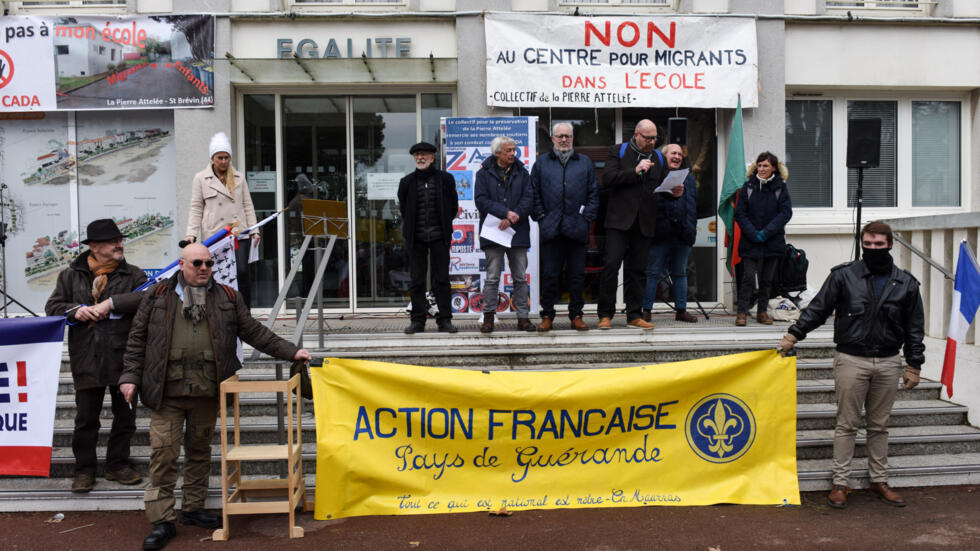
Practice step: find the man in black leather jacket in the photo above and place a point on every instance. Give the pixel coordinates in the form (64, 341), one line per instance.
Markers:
(877, 311)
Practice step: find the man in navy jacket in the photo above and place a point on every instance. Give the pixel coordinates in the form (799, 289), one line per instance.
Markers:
(566, 202)
(503, 189)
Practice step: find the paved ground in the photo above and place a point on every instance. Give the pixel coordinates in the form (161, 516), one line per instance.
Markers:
(946, 518)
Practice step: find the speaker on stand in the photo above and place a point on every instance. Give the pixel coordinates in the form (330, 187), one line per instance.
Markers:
(863, 151)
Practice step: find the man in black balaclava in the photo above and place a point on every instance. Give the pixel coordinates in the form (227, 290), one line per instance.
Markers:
(428, 203)
(877, 311)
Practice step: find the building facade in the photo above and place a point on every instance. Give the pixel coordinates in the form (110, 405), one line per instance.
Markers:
(323, 100)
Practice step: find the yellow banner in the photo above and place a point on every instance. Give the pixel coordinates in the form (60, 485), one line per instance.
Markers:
(399, 439)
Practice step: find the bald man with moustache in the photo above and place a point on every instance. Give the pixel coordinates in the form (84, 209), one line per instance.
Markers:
(183, 343)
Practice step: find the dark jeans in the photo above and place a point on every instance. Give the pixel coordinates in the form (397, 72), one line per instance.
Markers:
(431, 257)
(630, 249)
(241, 259)
(88, 406)
(765, 268)
(557, 254)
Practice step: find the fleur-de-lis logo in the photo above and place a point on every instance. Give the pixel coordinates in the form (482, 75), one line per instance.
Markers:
(720, 428)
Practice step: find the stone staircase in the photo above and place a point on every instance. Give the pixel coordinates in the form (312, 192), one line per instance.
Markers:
(930, 443)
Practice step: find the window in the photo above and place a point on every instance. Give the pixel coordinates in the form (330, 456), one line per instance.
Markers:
(922, 148)
(880, 184)
(62, 49)
(935, 153)
(809, 152)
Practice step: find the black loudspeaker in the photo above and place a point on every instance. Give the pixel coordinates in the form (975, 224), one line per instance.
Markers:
(863, 143)
(677, 130)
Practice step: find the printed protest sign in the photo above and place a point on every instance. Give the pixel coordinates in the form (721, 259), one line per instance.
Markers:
(634, 61)
(396, 439)
(89, 62)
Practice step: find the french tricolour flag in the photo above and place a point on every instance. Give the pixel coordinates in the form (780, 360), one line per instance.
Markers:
(30, 359)
(966, 300)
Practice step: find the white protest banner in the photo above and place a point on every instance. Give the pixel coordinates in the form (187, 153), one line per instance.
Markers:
(565, 61)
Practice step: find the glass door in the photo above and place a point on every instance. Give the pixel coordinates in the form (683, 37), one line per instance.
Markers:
(314, 138)
(385, 127)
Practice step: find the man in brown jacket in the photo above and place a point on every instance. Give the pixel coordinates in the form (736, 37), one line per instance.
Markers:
(96, 294)
(182, 345)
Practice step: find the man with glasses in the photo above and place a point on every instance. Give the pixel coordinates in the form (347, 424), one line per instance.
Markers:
(95, 293)
(566, 202)
(633, 170)
(183, 343)
(428, 202)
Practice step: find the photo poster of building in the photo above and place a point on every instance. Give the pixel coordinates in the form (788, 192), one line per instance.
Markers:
(119, 166)
(91, 62)
(126, 170)
(466, 143)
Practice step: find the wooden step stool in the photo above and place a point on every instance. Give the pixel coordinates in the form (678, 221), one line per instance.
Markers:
(292, 488)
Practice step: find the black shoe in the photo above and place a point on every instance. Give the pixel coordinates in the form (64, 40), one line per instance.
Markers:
(161, 534)
(446, 326)
(415, 327)
(202, 518)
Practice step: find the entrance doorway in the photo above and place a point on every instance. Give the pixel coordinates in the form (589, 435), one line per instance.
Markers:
(349, 148)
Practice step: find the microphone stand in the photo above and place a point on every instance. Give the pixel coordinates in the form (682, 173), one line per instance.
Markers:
(7, 299)
(857, 225)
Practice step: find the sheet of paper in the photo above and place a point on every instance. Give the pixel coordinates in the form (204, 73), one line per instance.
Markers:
(674, 178)
(253, 251)
(491, 231)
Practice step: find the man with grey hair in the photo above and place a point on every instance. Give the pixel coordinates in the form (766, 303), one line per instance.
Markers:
(566, 202)
(503, 189)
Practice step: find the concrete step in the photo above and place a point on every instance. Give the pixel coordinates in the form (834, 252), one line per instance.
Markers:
(903, 471)
(815, 391)
(915, 440)
(54, 494)
(904, 414)
(262, 370)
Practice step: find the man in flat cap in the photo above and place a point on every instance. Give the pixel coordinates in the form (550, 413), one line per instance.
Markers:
(428, 203)
(96, 294)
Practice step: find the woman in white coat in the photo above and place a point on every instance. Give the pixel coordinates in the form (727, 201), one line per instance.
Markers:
(220, 198)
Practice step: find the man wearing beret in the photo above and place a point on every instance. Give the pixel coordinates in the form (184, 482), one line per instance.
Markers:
(428, 203)
(96, 294)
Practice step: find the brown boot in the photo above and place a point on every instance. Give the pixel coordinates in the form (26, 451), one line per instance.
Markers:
(837, 498)
(545, 325)
(487, 326)
(524, 324)
(763, 318)
(579, 324)
(740, 319)
(682, 315)
(887, 495)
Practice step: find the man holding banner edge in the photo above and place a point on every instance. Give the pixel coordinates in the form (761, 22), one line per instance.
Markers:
(877, 311)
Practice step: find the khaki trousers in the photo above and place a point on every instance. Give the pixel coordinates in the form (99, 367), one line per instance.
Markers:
(167, 430)
(869, 384)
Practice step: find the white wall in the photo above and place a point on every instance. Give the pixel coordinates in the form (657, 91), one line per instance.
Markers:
(966, 383)
(861, 55)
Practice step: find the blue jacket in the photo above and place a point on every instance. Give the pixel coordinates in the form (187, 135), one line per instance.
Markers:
(677, 217)
(493, 196)
(763, 207)
(566, 198)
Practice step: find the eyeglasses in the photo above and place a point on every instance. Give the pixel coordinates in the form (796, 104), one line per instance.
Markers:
(649, 138)
(197, 263)
(563, 136)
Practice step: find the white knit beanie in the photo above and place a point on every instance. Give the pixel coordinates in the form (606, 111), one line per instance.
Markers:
(220, 142)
